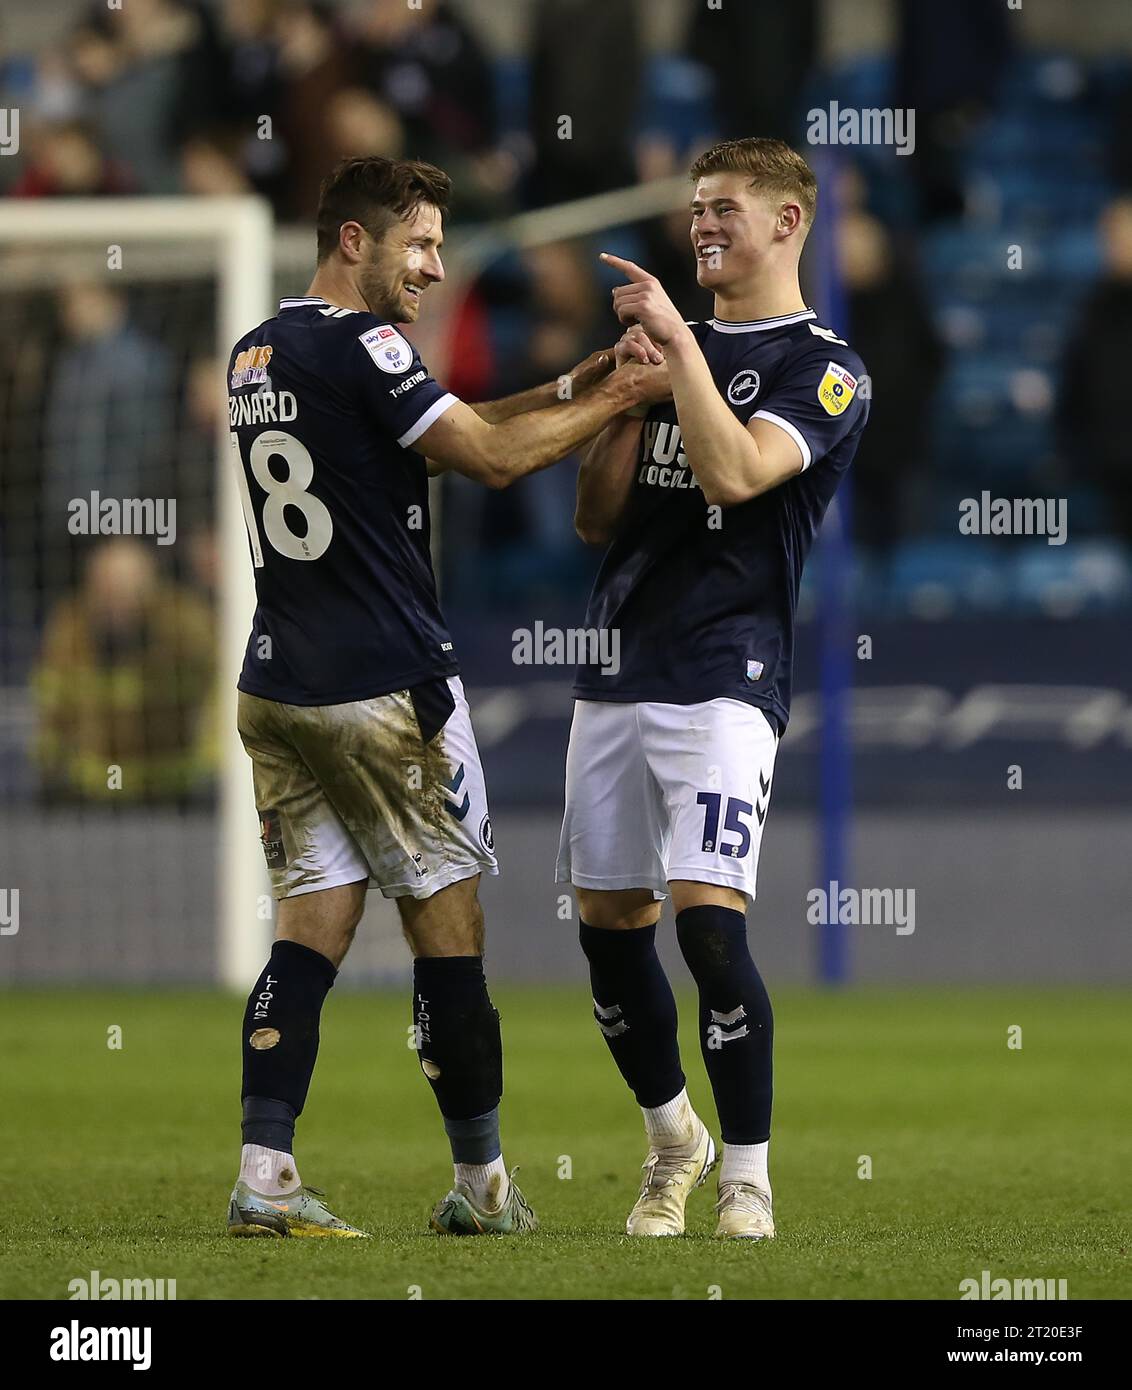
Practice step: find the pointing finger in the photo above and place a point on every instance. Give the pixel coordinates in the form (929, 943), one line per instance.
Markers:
(629, 269)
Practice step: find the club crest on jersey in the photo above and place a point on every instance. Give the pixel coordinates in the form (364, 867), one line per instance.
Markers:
(836, 389)
(388, 349)
(755, 670)
(744, 387)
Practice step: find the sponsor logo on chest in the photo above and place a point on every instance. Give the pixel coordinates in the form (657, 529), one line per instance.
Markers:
(663, 463)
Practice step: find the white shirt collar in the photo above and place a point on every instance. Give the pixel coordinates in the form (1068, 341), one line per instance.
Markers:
(761, 325)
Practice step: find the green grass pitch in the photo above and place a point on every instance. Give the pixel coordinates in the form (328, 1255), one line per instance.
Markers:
(983, 1157)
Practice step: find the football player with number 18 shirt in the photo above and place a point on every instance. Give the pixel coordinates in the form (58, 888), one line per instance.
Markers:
(351, 708)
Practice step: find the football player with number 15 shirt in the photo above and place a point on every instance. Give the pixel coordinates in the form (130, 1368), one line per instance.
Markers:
(709, 504)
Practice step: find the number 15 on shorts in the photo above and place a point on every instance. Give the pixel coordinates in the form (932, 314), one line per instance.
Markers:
(735, 816)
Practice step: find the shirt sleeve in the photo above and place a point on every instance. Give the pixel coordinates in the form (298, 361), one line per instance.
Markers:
(396, 385)
(817, 399)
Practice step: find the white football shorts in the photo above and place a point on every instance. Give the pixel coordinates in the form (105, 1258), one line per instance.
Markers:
(657, 792)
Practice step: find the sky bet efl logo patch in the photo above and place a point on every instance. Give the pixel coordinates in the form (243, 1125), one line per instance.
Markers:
(387, 348)
(836, 389)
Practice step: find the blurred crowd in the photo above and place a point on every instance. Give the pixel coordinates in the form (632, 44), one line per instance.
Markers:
(117, 389)
(187, 96)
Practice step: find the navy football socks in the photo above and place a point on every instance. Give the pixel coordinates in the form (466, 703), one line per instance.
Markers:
(635, 1010)
(736, 1021)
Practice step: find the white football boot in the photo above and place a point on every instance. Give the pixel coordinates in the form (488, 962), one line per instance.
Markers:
(671, 1173)
(744, 1213)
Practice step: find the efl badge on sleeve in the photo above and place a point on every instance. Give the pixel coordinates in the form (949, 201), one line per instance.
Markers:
(387, 348)
(836, 389)
(755, 670)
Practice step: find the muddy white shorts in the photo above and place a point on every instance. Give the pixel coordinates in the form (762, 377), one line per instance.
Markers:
(657, 792)
(390, 789)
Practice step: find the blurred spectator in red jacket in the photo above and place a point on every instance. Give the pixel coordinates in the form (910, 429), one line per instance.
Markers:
(64, 161)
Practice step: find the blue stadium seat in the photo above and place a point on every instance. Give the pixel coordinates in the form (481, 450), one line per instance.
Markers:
(861, 82)
(1023, 197)
(935, 578)
(512, 92)
(1037, 81)
(1037, 173)
(992, 414)
(865, 583)
(1079, 576)
(1050, 136)
(679, 101)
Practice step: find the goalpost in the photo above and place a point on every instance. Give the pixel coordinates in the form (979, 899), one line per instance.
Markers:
(229, 239)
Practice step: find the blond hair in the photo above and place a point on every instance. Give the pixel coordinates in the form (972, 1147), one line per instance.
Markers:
(770, 166)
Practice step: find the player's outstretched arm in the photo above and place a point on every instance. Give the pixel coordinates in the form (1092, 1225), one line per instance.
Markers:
(498, 455)
(596, 367)
(732, 462)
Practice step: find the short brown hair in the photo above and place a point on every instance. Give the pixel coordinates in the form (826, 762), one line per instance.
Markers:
(771, 166)
(374, 191)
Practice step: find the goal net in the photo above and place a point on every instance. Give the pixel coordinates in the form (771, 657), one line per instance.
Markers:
(127, 827)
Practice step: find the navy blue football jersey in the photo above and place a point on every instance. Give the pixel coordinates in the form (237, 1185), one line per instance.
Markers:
(704, 600)
(324, 404)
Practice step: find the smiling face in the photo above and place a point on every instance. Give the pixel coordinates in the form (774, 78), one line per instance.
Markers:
(733, 229)
(399, 267)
